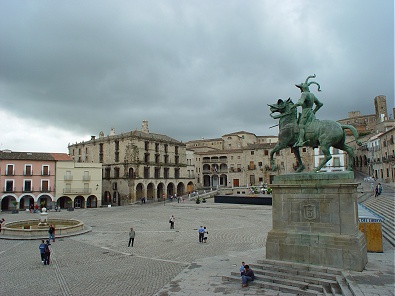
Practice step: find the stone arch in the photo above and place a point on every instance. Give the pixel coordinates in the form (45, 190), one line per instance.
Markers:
(160, 191)
(26, 200)
(91, 201)
(139, 191)
(190, 187)
(180, 189)
(206, 181)
(150, 191)
(79, 202)
(106, 198)
(63, 202)
(170, 189)
(7, 200)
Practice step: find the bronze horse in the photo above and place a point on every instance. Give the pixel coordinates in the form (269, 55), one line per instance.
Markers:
(319, 133)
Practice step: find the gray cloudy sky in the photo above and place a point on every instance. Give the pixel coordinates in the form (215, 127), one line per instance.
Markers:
(193, 69)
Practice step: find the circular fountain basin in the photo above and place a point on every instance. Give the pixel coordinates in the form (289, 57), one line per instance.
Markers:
(30, 229)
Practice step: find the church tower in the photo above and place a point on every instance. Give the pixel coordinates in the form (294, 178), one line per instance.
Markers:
(380, 106)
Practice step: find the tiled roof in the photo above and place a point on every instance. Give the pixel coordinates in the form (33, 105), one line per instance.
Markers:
(11, 155)
(61, 156)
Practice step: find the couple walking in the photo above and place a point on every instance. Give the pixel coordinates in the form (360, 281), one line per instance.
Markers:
(45, 251)
(202, 234)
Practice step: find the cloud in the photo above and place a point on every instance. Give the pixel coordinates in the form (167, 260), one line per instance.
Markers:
(192, 69)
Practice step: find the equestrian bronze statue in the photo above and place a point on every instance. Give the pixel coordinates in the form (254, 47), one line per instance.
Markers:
(306, 130)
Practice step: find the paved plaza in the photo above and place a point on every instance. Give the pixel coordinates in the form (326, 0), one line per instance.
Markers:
(162, 261)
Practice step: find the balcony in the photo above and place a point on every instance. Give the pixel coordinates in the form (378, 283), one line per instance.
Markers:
(86, 178)
(27, 189)
(8, 189)
(45, 189)
(68, 178)
(77, 190)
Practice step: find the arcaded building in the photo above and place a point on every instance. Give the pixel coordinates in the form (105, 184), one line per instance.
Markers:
(241, 159)
(136, 165)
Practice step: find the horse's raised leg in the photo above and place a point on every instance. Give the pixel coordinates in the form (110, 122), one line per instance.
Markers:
(296, 152)
(276, 148)
(327, 156)
(350, 153)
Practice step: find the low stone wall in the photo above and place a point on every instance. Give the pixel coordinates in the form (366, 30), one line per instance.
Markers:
(27, 228)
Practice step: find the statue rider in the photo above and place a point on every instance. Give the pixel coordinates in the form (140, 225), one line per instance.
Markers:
(307, 101)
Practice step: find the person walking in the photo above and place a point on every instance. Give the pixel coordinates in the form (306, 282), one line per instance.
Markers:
(51, 232)
(205, 234)
(1, 223)
(132, 234)
(171, 221)
(47, 253)
(201, 234)
(41, 247)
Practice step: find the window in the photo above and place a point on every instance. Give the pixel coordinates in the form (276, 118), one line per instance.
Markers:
(68, 176)
(176, 149)
(166, 173)
(27, 186)
(266, 152)
(107, 173)
(10, 170)
(45, 170)
(146, 172)
(45, 186)
(252, 152)
(176, 173)
(146, 145)
(166, 148)
(28, 170)
(176, 159)
(86, 176)
(116, 156)
(116, 172)
(9, 186)
(336, 161)
(157, 173)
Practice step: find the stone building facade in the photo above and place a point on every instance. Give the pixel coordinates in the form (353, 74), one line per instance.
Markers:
(376, 157)
(365, 124)
(241, 159)
(136, 165)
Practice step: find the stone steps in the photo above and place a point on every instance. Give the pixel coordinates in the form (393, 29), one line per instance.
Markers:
(274, 286)
(384, 206)
(296, 278)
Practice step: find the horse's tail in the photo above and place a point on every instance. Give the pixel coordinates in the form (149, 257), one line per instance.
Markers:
(354, 132)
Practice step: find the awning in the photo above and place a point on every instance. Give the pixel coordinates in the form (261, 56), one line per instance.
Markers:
(366, 215)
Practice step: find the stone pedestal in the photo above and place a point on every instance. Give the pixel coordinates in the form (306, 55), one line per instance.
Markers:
(315, 221)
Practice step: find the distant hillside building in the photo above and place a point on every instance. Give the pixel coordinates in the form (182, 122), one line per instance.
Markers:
(376, 157)
(241, 159)
(136, 165)
(365, 124)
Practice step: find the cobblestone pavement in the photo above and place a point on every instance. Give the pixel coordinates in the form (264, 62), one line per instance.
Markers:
(101, 263)
(162, 262)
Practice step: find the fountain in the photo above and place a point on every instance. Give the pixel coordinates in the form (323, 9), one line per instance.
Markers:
(31, 229)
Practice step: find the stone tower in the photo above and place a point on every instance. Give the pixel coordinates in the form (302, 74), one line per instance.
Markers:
(380, 106)
(144, 127)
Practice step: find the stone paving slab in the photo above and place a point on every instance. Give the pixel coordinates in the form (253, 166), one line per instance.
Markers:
(162, 262)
